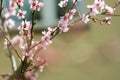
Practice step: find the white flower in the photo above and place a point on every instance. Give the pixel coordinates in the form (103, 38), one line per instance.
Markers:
(72, 13)
(96, 7)
(17, 40)
(36, 5)
(63, 3)
(109, 10)
(63, 23)
(39, 5)
(21, 14)
(85, 18)
(6, 43)
(13, 4)
(33, 4)
(20, 2)
(46, 38)
(9, 23)
(10, 12)
(30, 75)
(29, 55)
(25, 25)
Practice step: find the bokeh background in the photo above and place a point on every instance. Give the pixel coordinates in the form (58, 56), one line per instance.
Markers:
(90, 52)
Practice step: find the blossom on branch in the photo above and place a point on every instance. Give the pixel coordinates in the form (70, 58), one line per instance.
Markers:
(36, 5)
(46, 38)
(29, 55)
(96, 7)
(63, 22)
(21, 14)
(63, 3)
(72, 13)
(25, 29)
(30, 75)
(9, 23)
(109, 10)
(10, 12)
(41, 62)
(12, 4)
(85, 18)
(20, 2)
(17, 40)
(6, 43)
(39, 6)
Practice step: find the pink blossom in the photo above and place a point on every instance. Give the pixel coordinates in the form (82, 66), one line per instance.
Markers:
(33, 4)
(34, 43)
(25, 26)
(30, 75)
(9, 23)
(17, 40)
(36, 5)
(20, 2)
(39, 5)
(85, 18)
(94, 10)
(21, 14)
(29, 55)
(99, 3)
(51, 30)
(42, 63)
(66, 17)
(6, 43)
(24, 47)
(72, 13)
(96, 7)
(63, 23)
(21, 31)
(12, 4)
(109, 10)
(63, 3)
(10, 12)
(45, 39)
(41, 68)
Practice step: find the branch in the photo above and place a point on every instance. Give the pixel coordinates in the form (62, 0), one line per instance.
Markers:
(12, 58)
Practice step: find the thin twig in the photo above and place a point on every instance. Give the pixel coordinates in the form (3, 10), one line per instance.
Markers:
(10, 44)
(78, 10)
(33, 23)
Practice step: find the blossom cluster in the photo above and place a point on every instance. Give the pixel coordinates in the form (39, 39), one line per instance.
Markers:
(36, 5)
(29, 47)
(63, 22)
(46, 38)
(98, 7)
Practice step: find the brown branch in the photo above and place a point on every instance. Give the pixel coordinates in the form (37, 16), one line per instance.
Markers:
(10, 44)
(33, 23)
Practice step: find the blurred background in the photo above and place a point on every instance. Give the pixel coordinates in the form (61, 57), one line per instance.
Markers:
(86, 52)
